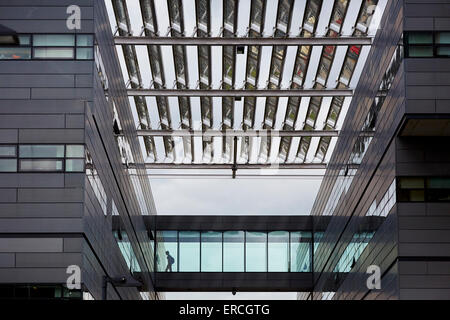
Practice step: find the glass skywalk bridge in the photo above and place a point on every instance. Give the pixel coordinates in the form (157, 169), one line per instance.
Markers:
(238, 253)
(234, 251)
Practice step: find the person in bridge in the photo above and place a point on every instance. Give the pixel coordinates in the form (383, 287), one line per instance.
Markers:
(170, 262)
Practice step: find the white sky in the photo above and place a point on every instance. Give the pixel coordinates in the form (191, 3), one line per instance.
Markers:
(261, 196)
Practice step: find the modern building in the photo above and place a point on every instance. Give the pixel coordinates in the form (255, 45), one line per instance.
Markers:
(98, 95)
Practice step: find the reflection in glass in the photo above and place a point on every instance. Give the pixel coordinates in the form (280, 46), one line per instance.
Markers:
(211, 251)
(85, 40)
(233, 251)
(7, 151)
(85, 53)
(189, 254)
(54, 53)
(41, 151)
(41, 165)
(166, 241)
(255, 251)
(54, 40)
(300, 251)
(74, 165)
(278, 251)
(75, 151)
(8, 165)
(14, 53)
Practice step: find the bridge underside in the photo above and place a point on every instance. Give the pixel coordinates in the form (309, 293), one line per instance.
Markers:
(233, 281)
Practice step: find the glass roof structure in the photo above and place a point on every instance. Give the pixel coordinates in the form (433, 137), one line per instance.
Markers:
(241, 84)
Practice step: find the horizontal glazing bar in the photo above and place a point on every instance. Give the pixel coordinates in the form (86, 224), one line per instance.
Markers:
(242, 93)
(239, 133)
(224, 41)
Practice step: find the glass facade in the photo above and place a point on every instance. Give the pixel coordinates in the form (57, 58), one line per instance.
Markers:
(51, 46)
(423, 189)
(427, 44)
(211, 249)
(233, 251)
(38, 291)
(42, 157)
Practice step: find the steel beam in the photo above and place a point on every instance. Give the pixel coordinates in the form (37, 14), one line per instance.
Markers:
(244, 41)
(238, 133)
(215, 166)
(242, 92)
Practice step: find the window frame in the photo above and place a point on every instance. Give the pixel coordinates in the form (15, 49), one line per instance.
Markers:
(32, 47)
(434, 44)
(425, 189)
(64, 158)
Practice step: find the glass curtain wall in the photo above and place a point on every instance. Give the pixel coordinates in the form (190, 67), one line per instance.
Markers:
(233, 251)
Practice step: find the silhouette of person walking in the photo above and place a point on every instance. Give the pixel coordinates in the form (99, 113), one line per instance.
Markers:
(170, 262)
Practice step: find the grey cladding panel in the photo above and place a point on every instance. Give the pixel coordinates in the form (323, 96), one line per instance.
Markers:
(31, 244)
(51, 136)
(44, 13)
(50, 195)
(36, 81)
(32, 121)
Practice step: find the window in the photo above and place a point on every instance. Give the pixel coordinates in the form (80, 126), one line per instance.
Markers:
(41, 157)
(8, 162)
(427, 44)
(54, 40)
(41, 151)
(51, 46)
(278, 249)
(53, 53)
(255, 251)
(189, 251)
(211, 257)
(420, 189)
(233, 251)
(75, 158)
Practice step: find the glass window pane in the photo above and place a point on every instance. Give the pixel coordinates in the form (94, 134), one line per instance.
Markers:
(75, 165)
(14, 53)
(8, 165)
(75, 151)
(41, 151)
(85, 40)
(422, 51)
(255, 251)
(24, 40)
(443, 51)
(211, 251)
(41, 165)
(300, 251)
(189, 255)
(278, 251)
(438, 183)
(53, 53)
(7, 151)
(412, 183)
(85, 53)
(416, 195)
(233, 251)
(420, 38)
(443, 37)
(436, 195)
(54, 40)
(167, 251)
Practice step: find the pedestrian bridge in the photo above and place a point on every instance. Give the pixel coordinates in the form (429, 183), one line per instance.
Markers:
(239, 253)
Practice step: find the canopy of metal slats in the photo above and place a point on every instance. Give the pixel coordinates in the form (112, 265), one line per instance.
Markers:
(236, 67)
